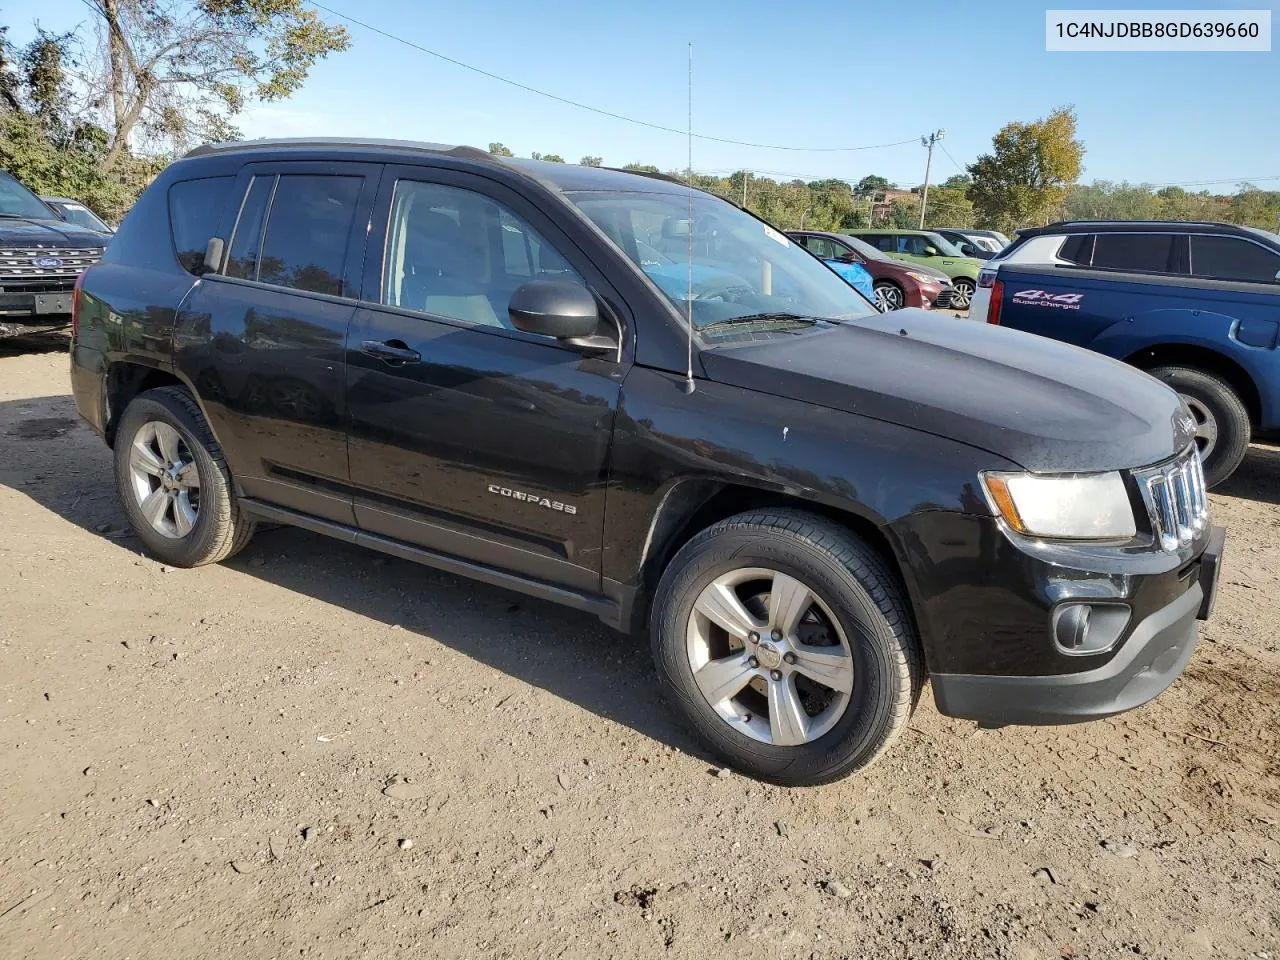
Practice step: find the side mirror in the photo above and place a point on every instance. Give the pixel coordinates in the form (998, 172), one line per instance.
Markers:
(931, 251)
(213, 255)
(563, 309)
(1278, 276)
(847, 257)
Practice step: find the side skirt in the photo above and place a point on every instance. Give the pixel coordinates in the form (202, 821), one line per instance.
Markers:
(614, 612)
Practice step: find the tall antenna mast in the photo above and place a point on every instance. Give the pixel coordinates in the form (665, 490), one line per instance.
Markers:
(688, 179)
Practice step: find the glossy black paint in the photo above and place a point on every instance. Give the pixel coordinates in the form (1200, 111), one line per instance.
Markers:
(576, 473)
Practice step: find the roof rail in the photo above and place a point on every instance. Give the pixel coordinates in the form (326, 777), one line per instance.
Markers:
(302, 143)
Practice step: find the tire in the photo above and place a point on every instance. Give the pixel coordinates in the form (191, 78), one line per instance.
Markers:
(1223, 429)
(889, 296)
(962, 298)
(860, 604)
(213, 528)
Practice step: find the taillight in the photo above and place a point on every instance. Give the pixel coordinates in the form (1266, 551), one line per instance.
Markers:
(986, 277)
(997, 297)
(75, 304)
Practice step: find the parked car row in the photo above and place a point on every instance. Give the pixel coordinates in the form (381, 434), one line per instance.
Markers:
(1196, 305)
(41, 254)
(615, 393)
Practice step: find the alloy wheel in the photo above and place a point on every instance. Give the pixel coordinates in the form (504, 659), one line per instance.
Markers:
(888, 297)
(962, 295)
(1206, 425)
(164, 479)
(769, 656)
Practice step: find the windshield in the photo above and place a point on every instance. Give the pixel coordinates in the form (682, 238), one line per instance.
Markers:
(17, 201)
(866, 250)
(81, 216)
(744, 271)
(945, 246)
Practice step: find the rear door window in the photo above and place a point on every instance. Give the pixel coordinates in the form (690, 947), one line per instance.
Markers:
(195, 208)
(885, 241)
(308, 230)
(294, 231)
(1077, 249)
(1230, 258)
(822, 247)
(1139, 252)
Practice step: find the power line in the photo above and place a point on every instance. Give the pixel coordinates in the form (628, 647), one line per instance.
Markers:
(588, 107)
(952, 159)
(1209, 183)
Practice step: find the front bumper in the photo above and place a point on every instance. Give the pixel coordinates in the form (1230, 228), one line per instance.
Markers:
(29, 312)
(1152, 657)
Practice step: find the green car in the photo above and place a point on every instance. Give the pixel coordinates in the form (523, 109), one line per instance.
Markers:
(931, 250)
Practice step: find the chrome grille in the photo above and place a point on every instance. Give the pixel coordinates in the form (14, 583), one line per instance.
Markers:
(944, 299)
(1175, 498)
(21, 261)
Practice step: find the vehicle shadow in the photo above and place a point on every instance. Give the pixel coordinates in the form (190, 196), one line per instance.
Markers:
(1257, 477)
(54, 341)
(565, 652)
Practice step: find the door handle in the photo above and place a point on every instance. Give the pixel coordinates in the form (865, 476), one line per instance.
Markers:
(392, 351)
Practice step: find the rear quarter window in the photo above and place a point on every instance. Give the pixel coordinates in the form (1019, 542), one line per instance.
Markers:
(1230, 258)
(1139, 252)
(195, 207)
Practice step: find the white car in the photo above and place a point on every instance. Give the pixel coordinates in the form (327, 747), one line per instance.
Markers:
(1041, 249)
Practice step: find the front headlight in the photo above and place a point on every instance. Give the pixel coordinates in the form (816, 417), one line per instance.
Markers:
(1092, 506)
(923, 277)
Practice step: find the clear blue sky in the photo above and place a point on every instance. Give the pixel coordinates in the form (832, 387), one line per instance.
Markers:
(807, 74)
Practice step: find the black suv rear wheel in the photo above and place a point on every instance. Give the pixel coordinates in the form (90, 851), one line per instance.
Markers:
(174, 482)
(786, 642)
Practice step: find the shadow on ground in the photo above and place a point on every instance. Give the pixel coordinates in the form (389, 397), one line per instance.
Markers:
(50, 456)
(1258, 477)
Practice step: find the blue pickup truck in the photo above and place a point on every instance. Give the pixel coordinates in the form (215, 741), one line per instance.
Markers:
(1196, 305)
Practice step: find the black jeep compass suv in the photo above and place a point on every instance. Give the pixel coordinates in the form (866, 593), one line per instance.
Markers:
(638, 400)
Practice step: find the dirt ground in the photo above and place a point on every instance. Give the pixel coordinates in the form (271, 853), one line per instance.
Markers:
(314, 751)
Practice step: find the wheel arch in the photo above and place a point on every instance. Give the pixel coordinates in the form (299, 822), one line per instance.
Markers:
(1208, 360)
(127, 379)
(693, 505)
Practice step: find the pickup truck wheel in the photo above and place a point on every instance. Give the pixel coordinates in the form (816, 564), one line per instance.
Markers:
(786, 642)
(1222, 421)
(888, 296)
(962, 294)
(174, 482)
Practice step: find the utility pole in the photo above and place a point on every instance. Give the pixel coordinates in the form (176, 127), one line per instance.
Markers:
(928, 141)
(746, 175)
(807, 211)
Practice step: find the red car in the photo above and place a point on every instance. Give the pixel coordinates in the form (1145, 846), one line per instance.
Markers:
(896, 284)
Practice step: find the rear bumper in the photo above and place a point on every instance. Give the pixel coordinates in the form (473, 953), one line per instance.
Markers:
(31, 312)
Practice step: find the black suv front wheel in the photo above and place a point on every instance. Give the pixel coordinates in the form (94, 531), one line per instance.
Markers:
(174, 483)
(786, 642)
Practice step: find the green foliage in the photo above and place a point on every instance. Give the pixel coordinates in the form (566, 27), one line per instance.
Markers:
(1103, 200)
(871, 185)
(1024, 180)
(641, 168)
(591, 161)
(500, 150)
(548, 157)
(948, 207)
(904, 214)
(176, 72)
(47, 148)
(958, 181)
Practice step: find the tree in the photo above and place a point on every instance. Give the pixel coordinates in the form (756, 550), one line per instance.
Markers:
(904, 213)
(178, 71)
(591, 161)
(948, 207)
(872, 184)
(958, 181)
(548, 157)
(1024, 180)
(641, 168)
(45, 145)
(500, 150)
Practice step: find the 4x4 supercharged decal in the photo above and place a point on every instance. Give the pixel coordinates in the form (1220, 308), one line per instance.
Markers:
(1042, 298)
(533, 498)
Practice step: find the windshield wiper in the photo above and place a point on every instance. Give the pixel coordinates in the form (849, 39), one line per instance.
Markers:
(760, 318)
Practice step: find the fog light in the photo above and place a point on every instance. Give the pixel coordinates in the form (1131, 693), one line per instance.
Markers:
(1085, 628)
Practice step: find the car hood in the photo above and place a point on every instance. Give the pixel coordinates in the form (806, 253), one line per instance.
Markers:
(47, 233)
(921, 268)
(1044, 405)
